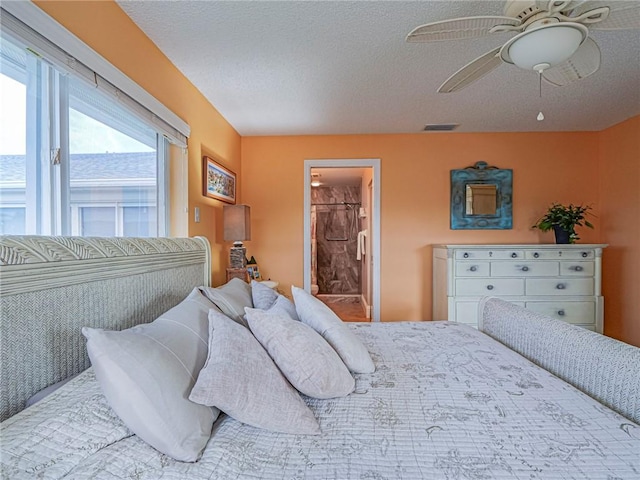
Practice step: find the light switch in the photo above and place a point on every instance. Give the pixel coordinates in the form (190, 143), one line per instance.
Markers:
(197, 214)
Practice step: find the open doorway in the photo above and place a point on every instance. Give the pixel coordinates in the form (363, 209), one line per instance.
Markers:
(342, 235)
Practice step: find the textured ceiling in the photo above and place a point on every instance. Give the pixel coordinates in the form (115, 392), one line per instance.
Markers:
(343, 67)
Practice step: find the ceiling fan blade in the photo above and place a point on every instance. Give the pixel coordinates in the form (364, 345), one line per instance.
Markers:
(472, 71)
(583, 63)
(468, 27)
(622, 14)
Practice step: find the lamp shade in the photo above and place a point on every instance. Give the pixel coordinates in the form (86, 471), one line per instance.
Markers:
(550, 44)
(237, 222)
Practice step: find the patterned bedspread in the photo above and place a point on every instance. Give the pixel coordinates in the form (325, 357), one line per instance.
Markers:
(446, 402)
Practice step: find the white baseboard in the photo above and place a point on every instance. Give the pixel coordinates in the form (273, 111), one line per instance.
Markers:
(365, 306)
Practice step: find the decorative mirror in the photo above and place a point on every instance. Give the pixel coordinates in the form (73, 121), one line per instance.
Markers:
(481, 198)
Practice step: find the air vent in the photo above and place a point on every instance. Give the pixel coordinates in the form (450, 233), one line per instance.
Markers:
(441, 127)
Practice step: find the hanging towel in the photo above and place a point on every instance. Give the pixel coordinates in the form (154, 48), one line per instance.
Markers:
(362, 240)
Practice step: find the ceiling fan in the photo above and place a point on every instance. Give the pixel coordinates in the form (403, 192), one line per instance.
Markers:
(552, 38)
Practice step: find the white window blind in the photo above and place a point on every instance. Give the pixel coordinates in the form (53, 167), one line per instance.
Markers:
(57, 45)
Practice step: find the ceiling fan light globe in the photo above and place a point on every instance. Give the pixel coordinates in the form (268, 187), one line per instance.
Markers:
(551, 44)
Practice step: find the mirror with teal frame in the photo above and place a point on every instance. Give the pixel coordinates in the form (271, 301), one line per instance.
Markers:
(481, 198)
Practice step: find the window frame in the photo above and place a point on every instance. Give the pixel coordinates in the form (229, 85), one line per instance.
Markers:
(30, 26)
(47, 190)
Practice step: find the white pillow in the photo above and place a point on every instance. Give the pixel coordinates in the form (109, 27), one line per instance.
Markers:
(146, 373)
(231, 298)
(263, 296)
(285, 306)
(301, 354)
(266, 298)
(322, 319)
(241, 380)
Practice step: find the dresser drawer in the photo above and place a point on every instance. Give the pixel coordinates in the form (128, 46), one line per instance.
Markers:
(559, 286)
(571, 312)
(472, 269)
(489, 254)
(489, 286)
(577, 269)
(560, 254)
(526, 269)
(577, 254)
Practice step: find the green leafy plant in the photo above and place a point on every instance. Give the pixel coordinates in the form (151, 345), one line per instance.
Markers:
(566, 217)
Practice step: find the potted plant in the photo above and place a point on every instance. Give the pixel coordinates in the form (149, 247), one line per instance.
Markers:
(563, 219)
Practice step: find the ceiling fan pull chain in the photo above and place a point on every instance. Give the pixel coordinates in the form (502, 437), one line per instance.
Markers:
(540, 84)
(540, 116)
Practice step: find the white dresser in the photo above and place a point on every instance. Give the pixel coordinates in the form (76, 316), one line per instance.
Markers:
(562, 281)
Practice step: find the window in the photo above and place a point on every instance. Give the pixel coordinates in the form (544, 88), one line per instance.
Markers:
(97, 222)
(13, 133)
(138, 221)
(12, 220)
(73, 159)
(113, 159)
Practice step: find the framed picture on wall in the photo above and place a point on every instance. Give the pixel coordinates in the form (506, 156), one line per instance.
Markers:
(218, 182)
(254, 272)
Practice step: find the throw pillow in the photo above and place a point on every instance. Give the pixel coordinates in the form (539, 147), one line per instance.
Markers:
(301, 354)
(146, 373)
(286, 306)
(231, 298)
(240, 379)
(322, 319)
(263, 296)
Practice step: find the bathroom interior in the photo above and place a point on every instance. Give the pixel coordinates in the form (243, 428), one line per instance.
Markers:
(339, 240)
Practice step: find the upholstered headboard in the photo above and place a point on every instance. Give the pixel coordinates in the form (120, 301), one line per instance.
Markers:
(50, 287)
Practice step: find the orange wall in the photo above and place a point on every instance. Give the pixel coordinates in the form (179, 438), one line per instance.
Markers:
(414, 198)
(601, 169)
(109, 31)
(619, 163)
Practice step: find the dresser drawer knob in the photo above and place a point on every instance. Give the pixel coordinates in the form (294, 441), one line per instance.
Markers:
(536, 255)
(514, 255)
(473, 268)
(561, 313)
(489, 287)
(525, 269)
(578, 268)
(585, 254)
(561, 286)
(466, 255)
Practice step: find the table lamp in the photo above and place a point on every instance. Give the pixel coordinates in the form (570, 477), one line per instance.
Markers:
(237, 227)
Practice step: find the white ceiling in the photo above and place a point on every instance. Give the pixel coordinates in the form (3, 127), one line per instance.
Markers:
(343, 67)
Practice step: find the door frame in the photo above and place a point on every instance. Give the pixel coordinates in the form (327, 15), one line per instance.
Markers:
(373, 163)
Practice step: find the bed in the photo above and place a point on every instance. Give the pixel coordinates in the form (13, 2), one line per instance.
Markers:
(526, 397)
